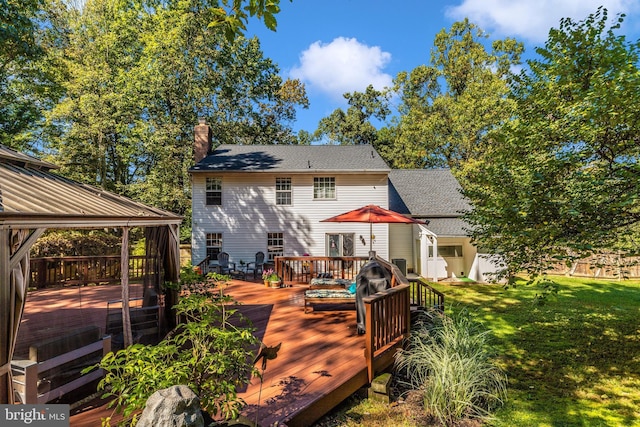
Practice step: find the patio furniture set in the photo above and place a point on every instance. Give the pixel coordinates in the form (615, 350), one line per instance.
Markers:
(222, 265)
(329, 291)
(371, 279)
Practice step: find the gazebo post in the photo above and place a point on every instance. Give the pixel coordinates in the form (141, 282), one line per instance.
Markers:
(14, 281)
(5, 309)
(124, 279)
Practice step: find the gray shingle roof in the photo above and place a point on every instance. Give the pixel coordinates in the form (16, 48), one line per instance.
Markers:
(432, 194)
(425, 193)
(292, 159)
(448, 227)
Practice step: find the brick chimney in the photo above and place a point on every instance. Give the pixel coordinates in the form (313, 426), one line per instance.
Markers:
(202, 140)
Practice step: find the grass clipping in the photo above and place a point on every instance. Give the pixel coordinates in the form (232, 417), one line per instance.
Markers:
(449, 361)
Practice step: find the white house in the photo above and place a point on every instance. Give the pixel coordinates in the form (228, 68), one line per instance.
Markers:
(272, 198)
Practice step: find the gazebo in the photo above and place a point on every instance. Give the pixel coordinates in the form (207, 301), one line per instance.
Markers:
(33, 199)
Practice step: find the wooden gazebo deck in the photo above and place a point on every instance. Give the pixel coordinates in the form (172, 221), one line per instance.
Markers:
(321, 361)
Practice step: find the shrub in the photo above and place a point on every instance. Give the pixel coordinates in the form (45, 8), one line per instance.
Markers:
(449, 361)
(55, 243)
(206, 352)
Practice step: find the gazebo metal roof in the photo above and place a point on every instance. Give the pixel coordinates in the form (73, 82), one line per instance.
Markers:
(32, 196)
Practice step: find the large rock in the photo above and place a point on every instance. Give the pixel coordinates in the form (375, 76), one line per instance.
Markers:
(175, 406)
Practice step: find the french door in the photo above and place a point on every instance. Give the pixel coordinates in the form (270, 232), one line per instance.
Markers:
(340, 244)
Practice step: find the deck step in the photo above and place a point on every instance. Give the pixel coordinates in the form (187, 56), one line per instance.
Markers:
(380, 389)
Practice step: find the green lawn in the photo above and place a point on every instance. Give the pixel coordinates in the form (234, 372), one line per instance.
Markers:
(574, 361)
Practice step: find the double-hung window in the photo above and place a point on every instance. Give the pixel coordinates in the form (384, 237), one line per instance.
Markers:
(283, 191)
(214, 191)
(275, 245)
(214, 245)
(324, 187)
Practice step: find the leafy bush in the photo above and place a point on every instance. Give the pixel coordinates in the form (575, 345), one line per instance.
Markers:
(56, 243)
(205, 352)
(448, 360)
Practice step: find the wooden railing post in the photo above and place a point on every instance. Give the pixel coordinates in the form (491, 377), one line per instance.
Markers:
(369, 336)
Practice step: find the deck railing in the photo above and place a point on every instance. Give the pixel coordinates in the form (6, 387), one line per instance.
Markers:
(204, 265)
(82, 270)
(299, 270)
(425, 296)
(387, 322)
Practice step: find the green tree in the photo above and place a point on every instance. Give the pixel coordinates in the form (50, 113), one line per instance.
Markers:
(190, 71)
(562, 178)
(96, 139)
(137, 75)
(354, 126)
(448, 107)
(26, 86)
(210, 352)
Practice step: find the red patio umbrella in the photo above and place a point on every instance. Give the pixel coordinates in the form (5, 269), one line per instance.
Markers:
(373, 214)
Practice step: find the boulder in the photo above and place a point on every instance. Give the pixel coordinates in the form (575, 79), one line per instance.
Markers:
(176, 406)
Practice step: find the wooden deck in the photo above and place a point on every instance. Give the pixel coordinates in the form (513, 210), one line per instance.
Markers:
(321, 361)
(52, 312)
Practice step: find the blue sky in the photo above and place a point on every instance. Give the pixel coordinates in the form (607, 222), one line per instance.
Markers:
(338, 46)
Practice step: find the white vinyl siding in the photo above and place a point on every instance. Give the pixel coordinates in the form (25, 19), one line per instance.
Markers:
(250, 212)
(402, 244)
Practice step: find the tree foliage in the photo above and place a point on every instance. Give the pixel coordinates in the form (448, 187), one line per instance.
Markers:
(56, 243)
(208, 352)
(26, 84)
(137, 75)
(448, 106)
(354, 126)
(562, 178)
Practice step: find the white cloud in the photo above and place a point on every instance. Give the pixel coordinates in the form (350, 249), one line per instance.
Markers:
(344, 65)
(531, 19)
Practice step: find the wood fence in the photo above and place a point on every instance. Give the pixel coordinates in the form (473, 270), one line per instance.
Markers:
(607, 266)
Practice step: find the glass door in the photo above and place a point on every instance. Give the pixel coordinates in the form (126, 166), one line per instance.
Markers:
(340, 244)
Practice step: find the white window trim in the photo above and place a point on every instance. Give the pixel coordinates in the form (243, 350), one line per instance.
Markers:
(207, 190)
(326, 179)
(280, 191)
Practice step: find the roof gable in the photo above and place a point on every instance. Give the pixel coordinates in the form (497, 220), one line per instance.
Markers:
(292, 159)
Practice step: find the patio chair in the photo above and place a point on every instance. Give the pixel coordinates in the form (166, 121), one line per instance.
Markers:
(256, 266)
(224, 266)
